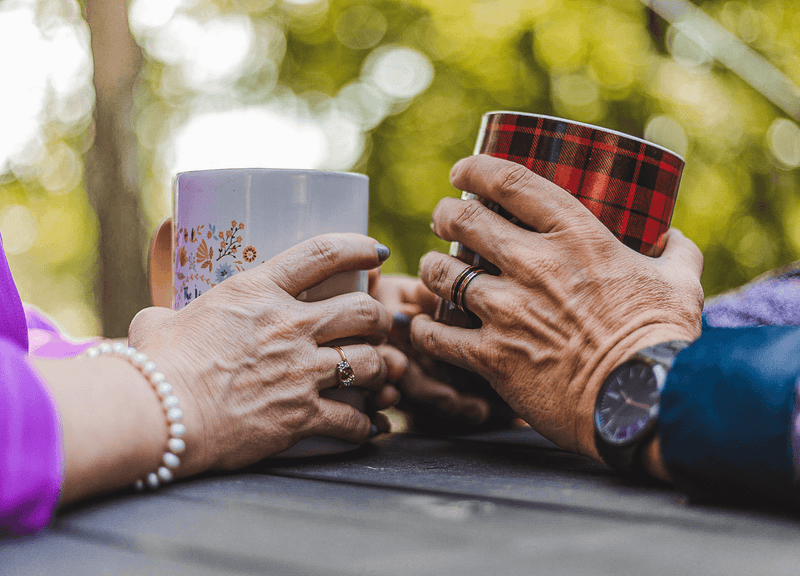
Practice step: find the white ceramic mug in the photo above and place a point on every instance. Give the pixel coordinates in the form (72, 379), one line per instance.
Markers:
(228, 221)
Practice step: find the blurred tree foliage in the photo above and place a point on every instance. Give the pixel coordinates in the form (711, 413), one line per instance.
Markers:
(609, 62)
(606, 62)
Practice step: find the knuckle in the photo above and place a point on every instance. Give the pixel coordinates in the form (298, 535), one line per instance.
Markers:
(367, 309)
(467, 215)
(490, 355)
(512, 180)
(525, 262)
(437, 275)
(322, 250)
(425, 336)
(353, 422)
(373, 364)
(430, 339)
(297, 418)
(244, 285)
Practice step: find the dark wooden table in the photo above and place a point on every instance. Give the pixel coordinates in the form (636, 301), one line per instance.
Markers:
(497, 503)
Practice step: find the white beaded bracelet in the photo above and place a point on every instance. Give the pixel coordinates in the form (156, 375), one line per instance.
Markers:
(169, 402)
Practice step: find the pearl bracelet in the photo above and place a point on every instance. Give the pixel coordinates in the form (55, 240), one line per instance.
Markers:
(169, 402)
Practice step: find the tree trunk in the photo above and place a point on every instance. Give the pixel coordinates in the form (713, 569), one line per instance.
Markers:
(112, 171)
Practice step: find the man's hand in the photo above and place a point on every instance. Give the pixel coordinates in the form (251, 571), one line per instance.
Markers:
(571, 303)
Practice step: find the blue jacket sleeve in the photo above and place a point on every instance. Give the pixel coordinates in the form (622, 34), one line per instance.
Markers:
(727, 413)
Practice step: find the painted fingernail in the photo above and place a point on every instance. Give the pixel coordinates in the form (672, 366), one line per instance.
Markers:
(383, 252)
(401, 320)
(373, 431)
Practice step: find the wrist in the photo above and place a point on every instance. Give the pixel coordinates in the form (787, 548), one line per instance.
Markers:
(654, 463)
(625, 344)
(112, 423)
(194, 459)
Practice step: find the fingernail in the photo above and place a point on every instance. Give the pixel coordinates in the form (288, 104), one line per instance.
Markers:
(401, 320)
(383, 252)
(433, 229)
(373, 431)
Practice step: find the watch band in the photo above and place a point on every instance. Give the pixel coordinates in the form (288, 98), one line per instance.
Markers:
(663, 353)
(629, 458)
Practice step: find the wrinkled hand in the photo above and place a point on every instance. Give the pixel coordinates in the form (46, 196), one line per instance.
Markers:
(571, 302)
(432, 403)
(248, 360)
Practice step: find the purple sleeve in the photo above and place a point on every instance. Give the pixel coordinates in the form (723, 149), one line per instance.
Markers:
(45, 340)
(13, 324)
(773, 299)
(30, 446)
(30, 439)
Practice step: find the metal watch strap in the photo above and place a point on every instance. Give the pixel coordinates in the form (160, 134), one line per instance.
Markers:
(663, 353)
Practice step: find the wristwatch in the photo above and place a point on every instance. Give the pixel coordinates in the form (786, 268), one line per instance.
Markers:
(628, 403)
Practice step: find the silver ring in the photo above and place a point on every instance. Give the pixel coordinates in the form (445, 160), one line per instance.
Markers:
(460, 284)
(344, 372)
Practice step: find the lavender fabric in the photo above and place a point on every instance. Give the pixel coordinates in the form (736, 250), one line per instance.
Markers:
(770, 300)
(31, 460)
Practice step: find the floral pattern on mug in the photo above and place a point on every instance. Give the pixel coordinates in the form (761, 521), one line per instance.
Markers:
(216, 254)
(249, 254)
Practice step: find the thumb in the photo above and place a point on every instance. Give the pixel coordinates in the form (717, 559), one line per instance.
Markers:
(682, 252)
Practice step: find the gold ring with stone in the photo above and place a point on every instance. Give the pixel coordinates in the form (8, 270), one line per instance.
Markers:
(344, 371)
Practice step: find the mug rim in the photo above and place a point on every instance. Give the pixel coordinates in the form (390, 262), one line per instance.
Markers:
(587, 125)
(336, 173)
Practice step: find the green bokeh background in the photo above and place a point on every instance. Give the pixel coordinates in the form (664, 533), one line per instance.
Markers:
(606, 62)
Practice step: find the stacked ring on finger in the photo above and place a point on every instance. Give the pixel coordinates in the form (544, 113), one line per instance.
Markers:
(460, 284)
(344, 371)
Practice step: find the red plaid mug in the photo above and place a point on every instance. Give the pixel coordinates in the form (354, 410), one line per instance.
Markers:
(629, 184)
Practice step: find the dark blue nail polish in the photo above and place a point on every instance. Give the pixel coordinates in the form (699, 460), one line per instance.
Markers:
(401, 320)
(383, 252)
(373, 431)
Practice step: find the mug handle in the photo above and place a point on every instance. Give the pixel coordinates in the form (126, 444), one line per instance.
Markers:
(160, 265)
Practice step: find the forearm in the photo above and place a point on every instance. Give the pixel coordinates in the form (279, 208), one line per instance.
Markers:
(113, 426)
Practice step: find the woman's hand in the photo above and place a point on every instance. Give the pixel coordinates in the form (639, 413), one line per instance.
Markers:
(571, 302)
(248, 360)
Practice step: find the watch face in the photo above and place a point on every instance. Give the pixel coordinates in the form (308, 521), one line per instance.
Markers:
(628, 402)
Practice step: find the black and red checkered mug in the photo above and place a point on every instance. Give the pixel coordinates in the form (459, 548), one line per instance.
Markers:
(629, 184)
